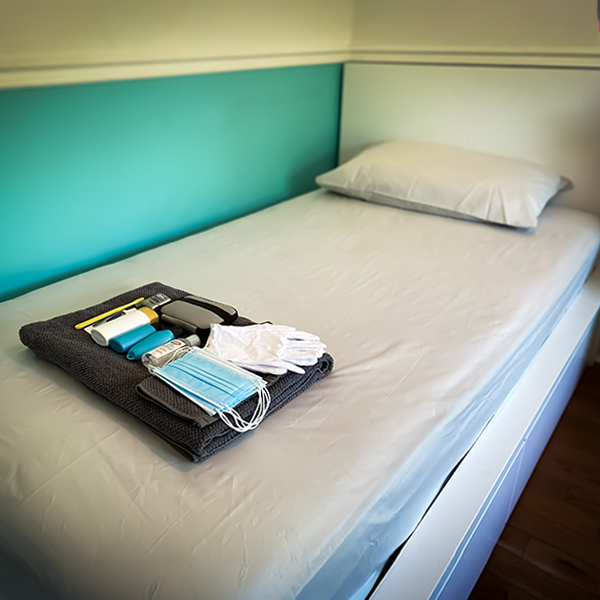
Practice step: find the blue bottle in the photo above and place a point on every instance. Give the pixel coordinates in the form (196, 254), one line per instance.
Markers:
(126, 340)
(149, 343)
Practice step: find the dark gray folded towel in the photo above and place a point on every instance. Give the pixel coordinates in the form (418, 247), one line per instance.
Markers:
(165, 411)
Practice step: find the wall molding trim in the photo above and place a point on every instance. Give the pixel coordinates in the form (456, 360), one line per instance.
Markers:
(484, 57)
(34, 76)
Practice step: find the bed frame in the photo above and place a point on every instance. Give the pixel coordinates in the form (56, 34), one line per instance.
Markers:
(536, 114)
(447, 552)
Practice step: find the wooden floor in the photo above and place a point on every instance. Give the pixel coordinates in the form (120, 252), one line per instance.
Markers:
(550, 547)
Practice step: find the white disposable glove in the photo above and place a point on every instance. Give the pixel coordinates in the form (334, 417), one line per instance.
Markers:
(266, 348)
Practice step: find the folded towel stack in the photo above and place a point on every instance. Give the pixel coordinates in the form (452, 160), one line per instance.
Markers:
(128, 385)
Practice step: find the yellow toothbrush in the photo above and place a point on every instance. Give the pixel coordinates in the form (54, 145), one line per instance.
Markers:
(107, 314)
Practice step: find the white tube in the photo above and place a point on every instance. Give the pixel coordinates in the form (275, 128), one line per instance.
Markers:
(131, 320)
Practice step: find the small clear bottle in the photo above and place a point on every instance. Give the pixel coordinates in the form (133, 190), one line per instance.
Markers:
(160, 356)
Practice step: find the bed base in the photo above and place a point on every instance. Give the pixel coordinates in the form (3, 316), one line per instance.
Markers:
(447, 552)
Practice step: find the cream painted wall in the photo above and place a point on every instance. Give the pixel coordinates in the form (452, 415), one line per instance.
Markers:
(508, 31)
(547, 116)
(75, 40)
(63, 41)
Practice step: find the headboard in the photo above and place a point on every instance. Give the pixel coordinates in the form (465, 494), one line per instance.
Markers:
(549, 116)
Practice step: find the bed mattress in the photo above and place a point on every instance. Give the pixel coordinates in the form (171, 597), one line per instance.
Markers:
(431, 322)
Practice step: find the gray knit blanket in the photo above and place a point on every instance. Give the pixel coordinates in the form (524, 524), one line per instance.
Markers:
(128, 385)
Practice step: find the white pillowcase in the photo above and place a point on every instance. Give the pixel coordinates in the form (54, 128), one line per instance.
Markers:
(447, 181)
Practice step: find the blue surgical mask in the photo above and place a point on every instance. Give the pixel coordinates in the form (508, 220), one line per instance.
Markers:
(216, 385)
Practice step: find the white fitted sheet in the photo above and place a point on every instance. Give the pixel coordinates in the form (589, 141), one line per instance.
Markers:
(421, 314)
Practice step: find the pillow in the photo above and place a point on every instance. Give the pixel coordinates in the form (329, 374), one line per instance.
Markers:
(447, 181)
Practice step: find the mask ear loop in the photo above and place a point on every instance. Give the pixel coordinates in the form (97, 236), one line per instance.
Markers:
(238, 423)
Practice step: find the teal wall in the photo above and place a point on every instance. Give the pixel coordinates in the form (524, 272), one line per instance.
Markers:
(92, 172)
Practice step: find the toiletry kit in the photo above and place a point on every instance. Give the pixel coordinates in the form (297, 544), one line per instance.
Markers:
(128, 384)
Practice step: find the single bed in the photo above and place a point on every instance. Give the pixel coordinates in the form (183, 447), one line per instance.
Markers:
(456, 345)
